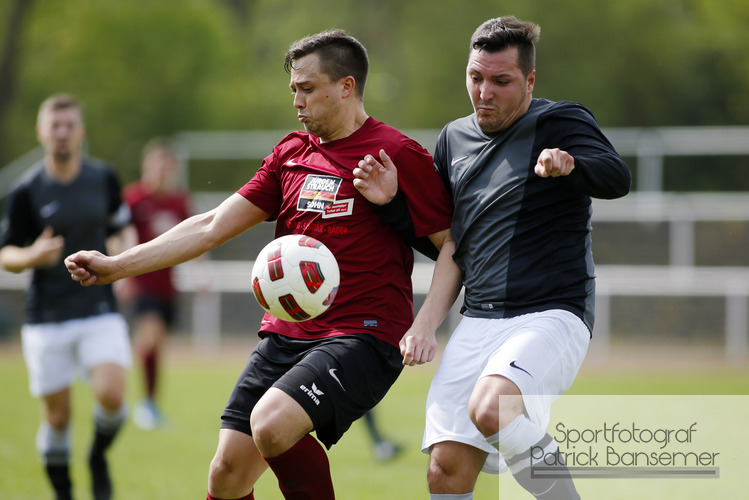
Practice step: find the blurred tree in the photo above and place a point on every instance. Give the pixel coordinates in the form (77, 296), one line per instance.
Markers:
(145, 68)
(9, 56)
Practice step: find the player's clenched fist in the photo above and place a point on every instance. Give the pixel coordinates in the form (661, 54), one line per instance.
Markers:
(91, 267)
(554, 163)
(417, 349)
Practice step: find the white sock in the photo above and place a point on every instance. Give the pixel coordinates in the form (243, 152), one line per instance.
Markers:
(108, 421)
(517, 437)
(53, 444)
(451, 496)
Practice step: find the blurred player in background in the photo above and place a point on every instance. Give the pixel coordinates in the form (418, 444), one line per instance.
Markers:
(383, 448)
(325, 373)
(64, 204)
(521, 172)
(157, 204)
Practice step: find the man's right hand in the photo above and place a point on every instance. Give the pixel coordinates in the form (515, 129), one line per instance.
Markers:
(90, 267)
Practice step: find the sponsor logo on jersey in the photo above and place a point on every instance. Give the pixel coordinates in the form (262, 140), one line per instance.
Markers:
(319, 193)
(339, 209)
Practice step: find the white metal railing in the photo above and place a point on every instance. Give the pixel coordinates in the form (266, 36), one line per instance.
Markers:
(209, 279)
(647, 203)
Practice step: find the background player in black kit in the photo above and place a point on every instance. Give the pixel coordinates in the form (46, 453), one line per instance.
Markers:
(64, 204)
(521, 172)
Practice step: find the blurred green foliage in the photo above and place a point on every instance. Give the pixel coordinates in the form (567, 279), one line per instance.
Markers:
(146, 68)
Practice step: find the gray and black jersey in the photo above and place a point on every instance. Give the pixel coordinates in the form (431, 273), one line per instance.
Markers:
(84, 211)
(523, 242)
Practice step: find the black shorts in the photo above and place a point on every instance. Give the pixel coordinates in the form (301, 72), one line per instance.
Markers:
(165, 308)
(336, 380)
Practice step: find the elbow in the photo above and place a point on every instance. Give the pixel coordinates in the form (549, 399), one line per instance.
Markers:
(10, 265)
(625, 185)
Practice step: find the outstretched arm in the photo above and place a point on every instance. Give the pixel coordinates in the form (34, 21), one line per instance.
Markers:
(419, 344)
(377, 181)
(185, 241)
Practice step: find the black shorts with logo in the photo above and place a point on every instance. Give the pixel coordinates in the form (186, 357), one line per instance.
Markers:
(336, 380)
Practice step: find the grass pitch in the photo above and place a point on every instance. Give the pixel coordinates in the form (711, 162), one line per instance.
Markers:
(173, 462)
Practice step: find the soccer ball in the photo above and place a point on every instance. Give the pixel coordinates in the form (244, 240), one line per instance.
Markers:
(295, 278)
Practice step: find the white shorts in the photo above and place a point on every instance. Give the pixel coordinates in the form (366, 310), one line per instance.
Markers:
(540, 352)
(56, 353)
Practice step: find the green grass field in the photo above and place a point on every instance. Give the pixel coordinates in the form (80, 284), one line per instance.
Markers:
(172, 463)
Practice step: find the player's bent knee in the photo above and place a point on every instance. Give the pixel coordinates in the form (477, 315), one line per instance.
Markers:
(453, 468)
(220, 474)
(494, 403)
(268, 437)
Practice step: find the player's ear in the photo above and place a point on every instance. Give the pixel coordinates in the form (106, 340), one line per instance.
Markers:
(348, 84)
(531, 80)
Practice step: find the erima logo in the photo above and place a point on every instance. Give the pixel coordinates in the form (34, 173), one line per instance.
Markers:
(312, 393)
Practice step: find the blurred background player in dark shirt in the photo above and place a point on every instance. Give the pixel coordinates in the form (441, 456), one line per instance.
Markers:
(65, 203)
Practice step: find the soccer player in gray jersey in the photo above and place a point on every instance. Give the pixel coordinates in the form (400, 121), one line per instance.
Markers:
(64, 204)
(521, 172)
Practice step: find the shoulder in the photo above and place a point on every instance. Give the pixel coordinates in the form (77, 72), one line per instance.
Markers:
(463, 125)
(29, 179)
(295, 139)
(561, 109)
(94, 167)
(387, 134)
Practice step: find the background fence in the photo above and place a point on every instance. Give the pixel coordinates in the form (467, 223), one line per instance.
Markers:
(672, 267)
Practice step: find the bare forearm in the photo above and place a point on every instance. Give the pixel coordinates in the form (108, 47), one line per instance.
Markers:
(444, 290)
(16, 259)
(185, 241)
(126, 238)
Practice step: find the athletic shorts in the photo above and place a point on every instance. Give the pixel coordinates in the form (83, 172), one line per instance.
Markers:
(165, 308)
(56, 353)
(336, 380)
(540, 352)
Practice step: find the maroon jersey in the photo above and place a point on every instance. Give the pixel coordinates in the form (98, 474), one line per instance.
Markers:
(307, 188)
(154, 214)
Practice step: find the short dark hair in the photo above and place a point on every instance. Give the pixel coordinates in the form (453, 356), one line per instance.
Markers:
(500, 33)
(341, 55)
(59, 101)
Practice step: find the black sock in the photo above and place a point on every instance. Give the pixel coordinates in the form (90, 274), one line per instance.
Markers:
(543, 478)
(100, 480)
(59, 476)
(103, 437)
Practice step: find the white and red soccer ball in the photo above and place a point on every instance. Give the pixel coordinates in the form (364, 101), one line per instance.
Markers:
(295, 278)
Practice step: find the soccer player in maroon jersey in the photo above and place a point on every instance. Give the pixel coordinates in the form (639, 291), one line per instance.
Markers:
(156, 204)
(323, 374)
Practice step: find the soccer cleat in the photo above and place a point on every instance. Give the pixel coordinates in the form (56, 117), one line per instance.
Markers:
(146, 416)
